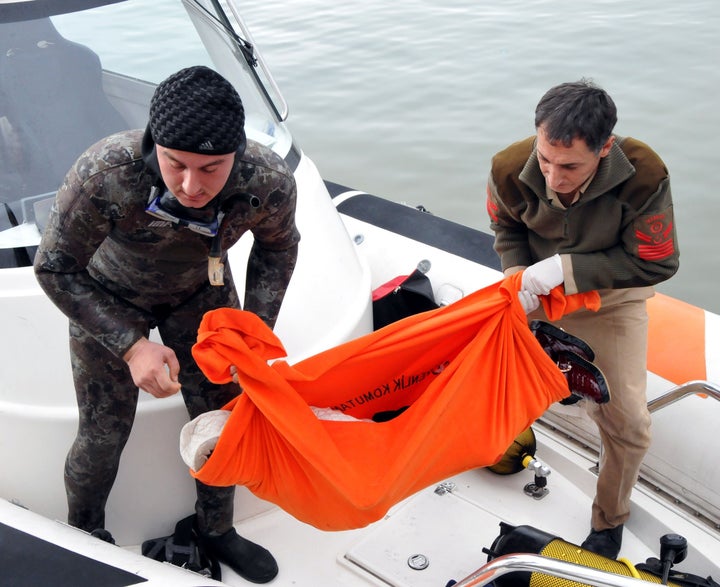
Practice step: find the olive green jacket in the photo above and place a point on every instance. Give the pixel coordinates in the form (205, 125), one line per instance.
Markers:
(619, 234)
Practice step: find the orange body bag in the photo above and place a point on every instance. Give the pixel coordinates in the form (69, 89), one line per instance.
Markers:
(471, 375)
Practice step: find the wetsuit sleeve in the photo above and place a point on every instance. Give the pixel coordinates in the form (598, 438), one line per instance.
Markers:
(273, 254)
(77, 225)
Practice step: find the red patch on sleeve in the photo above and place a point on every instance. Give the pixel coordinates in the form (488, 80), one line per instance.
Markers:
(655, 237)
(491, 206)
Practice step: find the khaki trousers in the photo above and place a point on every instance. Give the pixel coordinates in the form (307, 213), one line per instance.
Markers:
(618, 335)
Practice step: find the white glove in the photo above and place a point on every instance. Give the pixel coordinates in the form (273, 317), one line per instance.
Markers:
(529, 301)
(543, 276)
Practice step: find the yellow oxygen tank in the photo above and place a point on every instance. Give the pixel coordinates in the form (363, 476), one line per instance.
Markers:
(526, 539)
(515, 458)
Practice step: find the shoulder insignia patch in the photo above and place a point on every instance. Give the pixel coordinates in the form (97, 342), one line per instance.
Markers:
(492, 207)
(654, 234)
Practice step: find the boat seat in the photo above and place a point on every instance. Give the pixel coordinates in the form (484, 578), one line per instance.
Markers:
(48, 118)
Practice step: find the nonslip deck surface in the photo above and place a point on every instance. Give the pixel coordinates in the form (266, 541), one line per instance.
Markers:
(29, 561)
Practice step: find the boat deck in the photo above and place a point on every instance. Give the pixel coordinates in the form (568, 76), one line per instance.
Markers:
(450, 529)
(431, 538)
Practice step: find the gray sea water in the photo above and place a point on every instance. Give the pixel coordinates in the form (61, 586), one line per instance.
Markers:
(410, 99)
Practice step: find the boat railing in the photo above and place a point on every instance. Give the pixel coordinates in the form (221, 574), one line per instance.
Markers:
(534, 563)
(672, 472)
(681, 391)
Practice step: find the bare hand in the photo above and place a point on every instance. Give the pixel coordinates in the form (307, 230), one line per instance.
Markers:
(154, 368)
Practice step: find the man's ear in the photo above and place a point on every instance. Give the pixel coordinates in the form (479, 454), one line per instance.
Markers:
(607, 146)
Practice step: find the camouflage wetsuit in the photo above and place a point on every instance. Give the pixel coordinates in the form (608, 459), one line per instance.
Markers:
(118, 272)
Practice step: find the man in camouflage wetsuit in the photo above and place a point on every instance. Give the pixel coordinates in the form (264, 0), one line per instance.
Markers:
(135, 241)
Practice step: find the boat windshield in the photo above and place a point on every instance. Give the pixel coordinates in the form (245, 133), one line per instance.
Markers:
(67, 80)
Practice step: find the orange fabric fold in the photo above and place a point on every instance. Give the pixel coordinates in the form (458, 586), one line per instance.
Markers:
(556, 304)
(471, 375)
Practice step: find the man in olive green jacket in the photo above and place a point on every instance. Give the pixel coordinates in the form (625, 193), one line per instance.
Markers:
(580, 206)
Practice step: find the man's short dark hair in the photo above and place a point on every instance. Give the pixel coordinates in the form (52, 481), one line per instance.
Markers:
(577, 110)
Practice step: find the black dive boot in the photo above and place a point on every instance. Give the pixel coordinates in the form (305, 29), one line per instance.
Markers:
(249, 560)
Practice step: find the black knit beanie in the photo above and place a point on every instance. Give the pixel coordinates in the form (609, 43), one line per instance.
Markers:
(197, 110)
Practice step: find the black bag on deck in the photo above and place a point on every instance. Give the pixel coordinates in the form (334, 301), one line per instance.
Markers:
(402, 297)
